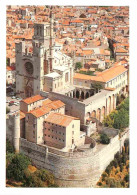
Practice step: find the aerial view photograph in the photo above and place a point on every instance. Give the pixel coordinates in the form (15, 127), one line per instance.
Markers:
(67, 96)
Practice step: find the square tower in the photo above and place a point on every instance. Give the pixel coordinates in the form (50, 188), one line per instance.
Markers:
(42, 34)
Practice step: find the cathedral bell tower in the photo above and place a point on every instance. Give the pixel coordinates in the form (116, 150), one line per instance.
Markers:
(52, 40)
(31, 68)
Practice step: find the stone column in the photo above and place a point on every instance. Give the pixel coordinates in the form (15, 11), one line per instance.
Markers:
(16, 134)
(79, 94)
(72, 94)
(84, 95)
(106, 110)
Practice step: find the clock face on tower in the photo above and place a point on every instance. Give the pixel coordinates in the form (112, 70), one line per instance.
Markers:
(29, 67)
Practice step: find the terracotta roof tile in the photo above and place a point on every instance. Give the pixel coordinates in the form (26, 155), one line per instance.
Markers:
(60, 119)
(55, 104)
(38, 112)
(10, 68)
(121, 50)
(32, 99)
(45, 102)
(103, 76)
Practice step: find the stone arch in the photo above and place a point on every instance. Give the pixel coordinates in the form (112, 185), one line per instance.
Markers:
(92, 93)
(82, 95)
(98, 114)
(87, 95)
(93, 114)
(77, 94)
(109, 104)
(88, 114)
(103, 112)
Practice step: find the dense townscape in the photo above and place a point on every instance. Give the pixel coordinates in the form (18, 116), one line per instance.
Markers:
(67, 103)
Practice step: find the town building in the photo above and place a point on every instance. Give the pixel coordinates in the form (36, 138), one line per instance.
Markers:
(10, 75)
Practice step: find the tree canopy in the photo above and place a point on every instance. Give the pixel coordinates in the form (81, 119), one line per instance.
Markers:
(78, 65)
(97, 86)
(19, 169)
(116, 174)
(119, 118)
(17, 166)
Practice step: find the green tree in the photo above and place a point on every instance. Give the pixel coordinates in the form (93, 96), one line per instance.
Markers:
(104, 139)
(118, 119)
(16, 168)
(124, 104)
(126, 178)
(96, 86)
(121, 119)
(78, 65)
(109, 120)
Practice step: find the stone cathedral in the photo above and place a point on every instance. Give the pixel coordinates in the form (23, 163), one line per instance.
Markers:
(45, 68)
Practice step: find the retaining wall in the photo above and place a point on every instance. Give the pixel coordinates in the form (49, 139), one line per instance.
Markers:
(77, 169)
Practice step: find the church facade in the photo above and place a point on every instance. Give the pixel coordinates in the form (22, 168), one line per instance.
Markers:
(46, 68)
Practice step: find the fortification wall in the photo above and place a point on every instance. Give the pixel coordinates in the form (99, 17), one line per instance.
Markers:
(77, 169)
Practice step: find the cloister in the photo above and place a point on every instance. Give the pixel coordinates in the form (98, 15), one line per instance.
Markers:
(80, 93)
(101, 112)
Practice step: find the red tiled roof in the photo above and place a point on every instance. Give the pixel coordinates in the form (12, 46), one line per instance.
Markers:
(55, 104)
(103, 76)
(32, 99)
(45, 102)
(10, 68)
(38, 112)
(60, 119)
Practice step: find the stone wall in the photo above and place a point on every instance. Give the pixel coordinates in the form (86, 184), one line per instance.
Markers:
(72, 106)
(77, 169)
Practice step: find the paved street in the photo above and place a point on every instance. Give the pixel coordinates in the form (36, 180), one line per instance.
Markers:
(13, 108)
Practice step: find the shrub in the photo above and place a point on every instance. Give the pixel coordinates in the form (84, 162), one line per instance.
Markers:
(99, 183)
(9, 157)
(9, 147)
(104, 139)
(40, 178)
